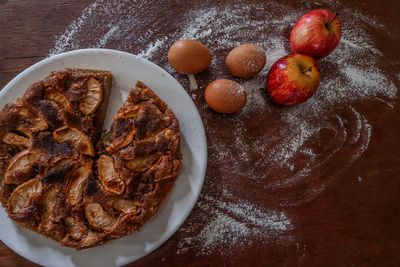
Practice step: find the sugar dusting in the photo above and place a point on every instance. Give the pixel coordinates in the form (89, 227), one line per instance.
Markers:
(354, 76)
(66, 41)
(108, 21)
(152, 48)
(231, 223)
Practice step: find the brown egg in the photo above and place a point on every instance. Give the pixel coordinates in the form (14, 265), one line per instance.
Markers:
(189, 56)
(246, 60)
(225, 96)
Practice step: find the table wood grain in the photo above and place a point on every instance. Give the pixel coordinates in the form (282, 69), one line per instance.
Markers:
(348, 224)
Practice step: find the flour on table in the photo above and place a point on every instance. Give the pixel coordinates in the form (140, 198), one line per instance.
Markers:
(109, 34)
(66, 41)
(102, 22)
(152, 48)
(231, 223)
(348, 75)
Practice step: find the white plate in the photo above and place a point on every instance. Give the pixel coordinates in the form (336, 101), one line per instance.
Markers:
(126, 69)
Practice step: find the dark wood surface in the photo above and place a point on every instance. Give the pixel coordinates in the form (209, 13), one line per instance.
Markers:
(350, 223)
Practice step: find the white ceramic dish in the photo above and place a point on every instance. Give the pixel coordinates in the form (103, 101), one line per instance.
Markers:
(126, 69)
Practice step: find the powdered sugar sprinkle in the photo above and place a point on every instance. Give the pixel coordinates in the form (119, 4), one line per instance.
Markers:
(231, 223)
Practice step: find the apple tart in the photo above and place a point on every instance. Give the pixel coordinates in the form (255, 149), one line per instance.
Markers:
(60, 179)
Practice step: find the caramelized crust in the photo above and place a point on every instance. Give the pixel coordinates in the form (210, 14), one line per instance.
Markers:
(56, 181)
(36, 166)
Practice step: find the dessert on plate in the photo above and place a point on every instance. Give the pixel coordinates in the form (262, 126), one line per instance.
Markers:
(60, 178)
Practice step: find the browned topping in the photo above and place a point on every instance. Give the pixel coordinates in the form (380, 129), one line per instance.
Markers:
(51, 113)
(166, 167)
(33, 120)
(75, 138)
(150, 120)
(44, 143)
(58, 98)
(161, 142)
(73, 120)
(33, 95)
(124, 130)
(143, 93)
(50, 184)
(59, 172)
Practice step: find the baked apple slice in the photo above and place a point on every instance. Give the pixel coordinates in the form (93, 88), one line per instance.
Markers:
(108, 175)
(75, 138)
(140, 164)
(127, 206)
(123, 128)
(76, 228)
(35, 120)
(93, 98)
(76, 188)
(15, 139)
(23, 196)
(57, 97)
(21, 167)
(98, 218)
(90, 239)
(48, 203)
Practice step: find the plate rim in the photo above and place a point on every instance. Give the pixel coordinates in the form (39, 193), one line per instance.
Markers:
(202, 175)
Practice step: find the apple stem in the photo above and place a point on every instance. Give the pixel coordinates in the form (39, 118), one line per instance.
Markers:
(332, 19)
(307, 70)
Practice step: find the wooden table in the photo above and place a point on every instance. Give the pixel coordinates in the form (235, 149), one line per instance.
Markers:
(328, 207)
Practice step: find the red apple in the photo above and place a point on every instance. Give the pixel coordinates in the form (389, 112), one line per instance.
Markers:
(316, 34)
(293, 79)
